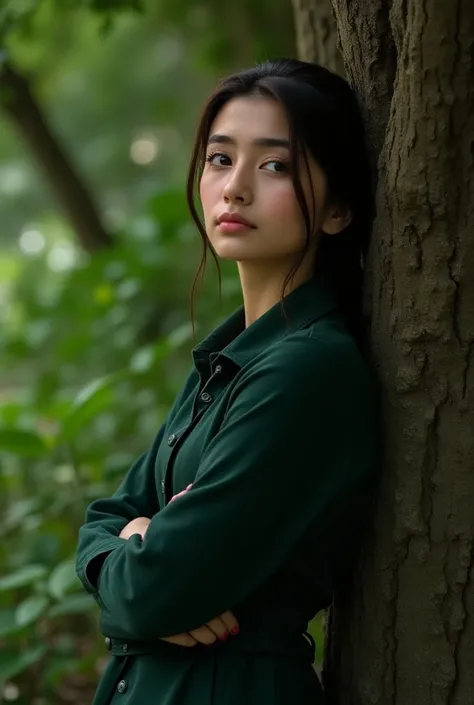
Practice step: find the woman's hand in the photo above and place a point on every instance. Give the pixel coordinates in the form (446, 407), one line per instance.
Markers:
(140, 524)
(136, 526)
(180, 493)
(218, 628)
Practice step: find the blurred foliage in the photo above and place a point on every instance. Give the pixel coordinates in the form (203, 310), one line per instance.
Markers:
(81, 399)
(94, 348)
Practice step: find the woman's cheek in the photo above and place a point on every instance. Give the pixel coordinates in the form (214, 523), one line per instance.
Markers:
(204, 195)
(282, 204)
(212, 200)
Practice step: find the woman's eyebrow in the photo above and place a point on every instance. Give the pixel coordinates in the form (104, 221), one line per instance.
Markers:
(258, 142)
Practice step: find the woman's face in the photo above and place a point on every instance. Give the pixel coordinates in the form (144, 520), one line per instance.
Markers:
(248, 174)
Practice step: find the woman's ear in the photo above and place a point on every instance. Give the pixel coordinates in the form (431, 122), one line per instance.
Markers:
(336, 220)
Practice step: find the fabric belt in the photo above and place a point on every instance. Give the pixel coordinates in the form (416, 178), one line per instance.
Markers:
(299, 646)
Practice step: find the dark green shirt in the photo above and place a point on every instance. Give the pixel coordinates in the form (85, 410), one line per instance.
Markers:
(276, 429)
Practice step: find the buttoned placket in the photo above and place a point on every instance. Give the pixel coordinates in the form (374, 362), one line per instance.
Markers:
(203, 396)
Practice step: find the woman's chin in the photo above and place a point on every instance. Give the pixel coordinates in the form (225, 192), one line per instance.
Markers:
(234, 252)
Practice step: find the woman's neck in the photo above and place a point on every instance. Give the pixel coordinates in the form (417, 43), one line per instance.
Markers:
(262, 286)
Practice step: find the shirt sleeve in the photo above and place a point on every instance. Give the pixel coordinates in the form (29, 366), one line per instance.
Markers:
(298, 437)
(136, 496)
(106, 517)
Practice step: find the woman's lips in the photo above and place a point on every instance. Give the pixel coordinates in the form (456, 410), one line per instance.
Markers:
(232, 227)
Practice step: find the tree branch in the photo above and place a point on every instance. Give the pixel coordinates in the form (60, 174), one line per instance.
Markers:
(71, 193)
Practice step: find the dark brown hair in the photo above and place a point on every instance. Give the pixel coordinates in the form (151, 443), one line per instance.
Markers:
(324, 118)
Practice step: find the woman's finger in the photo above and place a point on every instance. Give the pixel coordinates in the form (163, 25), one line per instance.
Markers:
(180, 639)
(230, 622)
(218, 627)
(180, 493)
(204, 635)
(136, 526)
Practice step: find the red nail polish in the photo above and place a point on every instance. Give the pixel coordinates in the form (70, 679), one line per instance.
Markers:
(235, 630)
(224, 636)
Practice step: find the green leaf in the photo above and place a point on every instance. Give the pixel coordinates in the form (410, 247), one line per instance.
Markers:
(19, 510)
(24, 443)
(12, 663)
(62, 578)
(73, 604)
(180, 335)
(24, 576)
(30, 609)
(90, 401)
(142, 360)
(8, 623)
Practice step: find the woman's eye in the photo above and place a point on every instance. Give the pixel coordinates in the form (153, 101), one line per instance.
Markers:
(216, 157)
(211, 158)
(281, 165)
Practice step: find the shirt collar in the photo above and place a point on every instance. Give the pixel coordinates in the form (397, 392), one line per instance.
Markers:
(308, 302)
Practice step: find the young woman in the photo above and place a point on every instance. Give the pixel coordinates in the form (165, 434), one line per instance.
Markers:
(243, 515)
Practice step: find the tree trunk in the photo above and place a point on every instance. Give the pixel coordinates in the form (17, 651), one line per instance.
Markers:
(403, 632)
(71, 193)
(316, 35)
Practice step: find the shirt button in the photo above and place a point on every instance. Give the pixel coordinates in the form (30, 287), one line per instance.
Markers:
(122, 686)
(124, 648)
(163, 486)
(108, 643)
(218, 369)
(206, 397)
(171, 439)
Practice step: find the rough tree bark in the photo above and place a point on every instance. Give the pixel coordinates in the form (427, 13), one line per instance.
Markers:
(71, 193)
(403, 632)
(316, 37)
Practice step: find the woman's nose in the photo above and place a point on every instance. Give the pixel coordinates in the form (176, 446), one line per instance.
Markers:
(237, 190)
